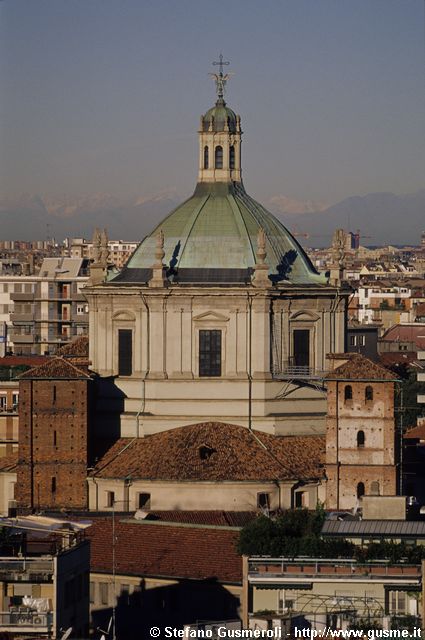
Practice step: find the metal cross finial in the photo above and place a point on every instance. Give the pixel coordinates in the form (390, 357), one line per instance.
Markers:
(220, 63)
(220, 78)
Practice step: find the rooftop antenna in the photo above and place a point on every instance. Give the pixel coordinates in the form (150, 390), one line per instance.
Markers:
(108, 630)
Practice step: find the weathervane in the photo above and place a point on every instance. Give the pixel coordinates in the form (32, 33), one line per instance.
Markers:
(220, 78)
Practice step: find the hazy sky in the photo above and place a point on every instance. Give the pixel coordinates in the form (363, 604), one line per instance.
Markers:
(105, 95)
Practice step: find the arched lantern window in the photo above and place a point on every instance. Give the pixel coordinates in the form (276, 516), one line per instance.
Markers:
(219, 157)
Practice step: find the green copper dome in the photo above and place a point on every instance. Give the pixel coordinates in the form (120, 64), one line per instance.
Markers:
(218, 116)
(212, 237)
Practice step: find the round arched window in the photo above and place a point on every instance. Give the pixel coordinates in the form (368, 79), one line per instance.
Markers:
(360, 438)
(219, 157)
(368, 394)
(232, 157)
(360, 490)
(348, 392)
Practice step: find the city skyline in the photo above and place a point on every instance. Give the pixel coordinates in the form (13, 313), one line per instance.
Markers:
(105, 98)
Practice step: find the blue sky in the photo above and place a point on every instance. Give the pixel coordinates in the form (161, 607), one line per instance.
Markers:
(105, 95)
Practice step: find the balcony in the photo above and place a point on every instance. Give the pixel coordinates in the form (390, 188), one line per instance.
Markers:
(304, 572)
(22, 620)
(290, 372)
(18, 297)
(26, 569)
(9, 410)
(21, 317)
(21, 338)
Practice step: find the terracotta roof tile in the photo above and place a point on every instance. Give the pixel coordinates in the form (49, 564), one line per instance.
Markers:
(179, 551)
(55, 367)
(391, 358)
(416, 433)
(78, 347)
(16, 361)
(360, 368)
(214, 451)
(406, 333)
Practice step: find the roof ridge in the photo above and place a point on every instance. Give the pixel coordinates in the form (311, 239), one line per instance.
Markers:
(51, 361)
(187, 525)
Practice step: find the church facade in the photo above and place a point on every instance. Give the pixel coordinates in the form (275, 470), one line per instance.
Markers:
(219, 315)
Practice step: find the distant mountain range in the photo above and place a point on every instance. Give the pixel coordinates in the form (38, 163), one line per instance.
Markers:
(382, 218)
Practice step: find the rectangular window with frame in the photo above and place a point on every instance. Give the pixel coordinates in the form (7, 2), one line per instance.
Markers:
(144, 501)
(125, 352)
(300, 499)
(398, 602)
(263, 501)
(92, 592)
(3, 403)
(104, 592)
(301, 344)
(210, 353)
(110, 498)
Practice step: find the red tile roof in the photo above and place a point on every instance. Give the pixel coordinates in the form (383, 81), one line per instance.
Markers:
(416, 433)
(391, 358)
(28, 361)
(407, 333)
(55, 368)
(168, 551)
(358, 367)
(420, 309)
(214, 451)
(78, 347)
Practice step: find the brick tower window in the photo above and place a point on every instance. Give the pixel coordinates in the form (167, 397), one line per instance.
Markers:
(360, 439)
(348, 392)
(368, 394)
(360, 490)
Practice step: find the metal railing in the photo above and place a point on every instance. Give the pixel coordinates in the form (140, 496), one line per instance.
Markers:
(337, 569)
(26, 565)
(293, 372)
(25, 618)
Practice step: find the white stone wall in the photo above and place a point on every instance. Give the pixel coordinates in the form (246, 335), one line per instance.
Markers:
(165, 390)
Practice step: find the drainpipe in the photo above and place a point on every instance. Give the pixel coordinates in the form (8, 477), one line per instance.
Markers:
(337, 445)
(31, 446)
(250, 363)
(143, 398)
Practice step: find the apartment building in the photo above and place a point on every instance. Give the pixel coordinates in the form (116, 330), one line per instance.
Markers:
(49, 310)
(44, 579)
(119, 250)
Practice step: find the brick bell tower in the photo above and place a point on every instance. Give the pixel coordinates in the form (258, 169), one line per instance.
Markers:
(360, 432)
(54, 419)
